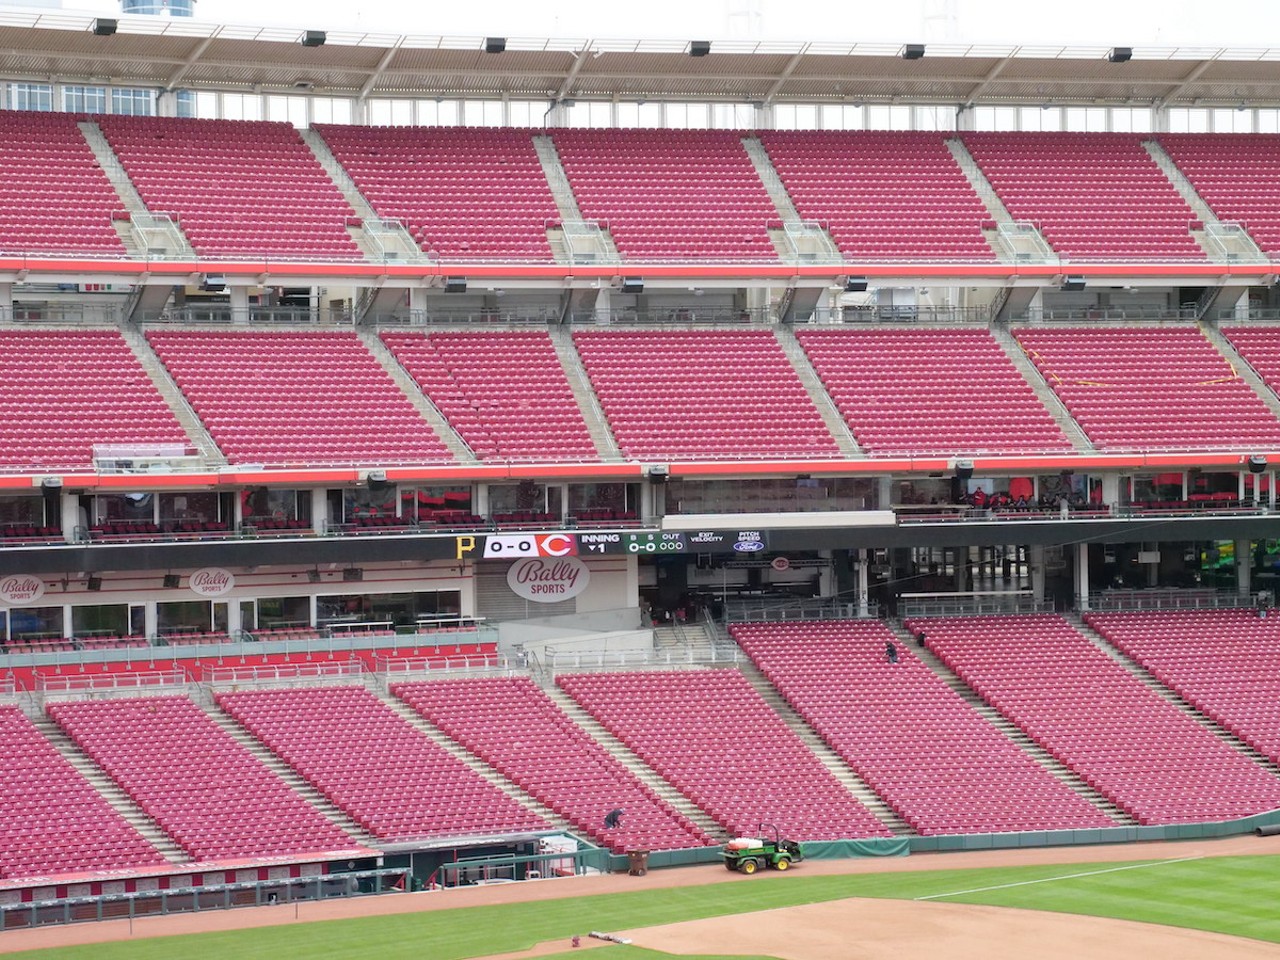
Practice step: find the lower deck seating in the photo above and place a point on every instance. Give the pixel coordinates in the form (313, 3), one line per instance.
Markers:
(516, 728)
(711, 734)
(1222, 662)
(52, 820)
(937, 762)
(205, 790)
(389, 777)
(1130, 744)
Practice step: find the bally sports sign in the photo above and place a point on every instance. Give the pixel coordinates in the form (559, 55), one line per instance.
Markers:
(212, 582)
(548, 580)
(20, 589)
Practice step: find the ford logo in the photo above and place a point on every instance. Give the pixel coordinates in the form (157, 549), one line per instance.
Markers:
(748, 546)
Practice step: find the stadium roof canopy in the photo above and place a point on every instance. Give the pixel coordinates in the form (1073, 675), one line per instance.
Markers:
(171, 53)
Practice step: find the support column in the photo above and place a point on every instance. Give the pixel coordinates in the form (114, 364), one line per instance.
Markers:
(864, 580)
(239, 304)
(1082, 577)
(319, 509)
(6, 301)
(1035, 556)
(1111, 489)
(1244, 567)
(69, 511)
(962, 569)
(150, 619)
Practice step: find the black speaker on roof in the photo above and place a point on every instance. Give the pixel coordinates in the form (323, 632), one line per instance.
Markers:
(699, 48)
(377, 480)
(855, 285)
(913, 51)
(1120, 54)
(213, 283)
(1072, 285)
(455, 285)
(964, 469)
(94, 583)
(495, 44)
(172, 580)
(632, 285)
(1257, 463)
(314, 38)
(104, 27)
(353, 574)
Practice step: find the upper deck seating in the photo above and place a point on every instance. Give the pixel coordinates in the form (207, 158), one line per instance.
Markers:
(295, 397)
(51, 819)
(54, 197)
(1165, 388)
(63, 391)
(462, 193)
(505, 393)
(1133, 746)
(726, 749)
(941, 765)
(671, 194)
(1260, 347)
(390, 778)
(1222, 662)
(210, 794)
(516, 728)
(925, 390)
(685, 394)
(239, 188)
(1235, 174)
(1094, 196)
(883, 195)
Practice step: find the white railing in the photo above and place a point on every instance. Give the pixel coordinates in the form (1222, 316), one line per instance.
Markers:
(132, 682)
(284, 673)
(639, 659)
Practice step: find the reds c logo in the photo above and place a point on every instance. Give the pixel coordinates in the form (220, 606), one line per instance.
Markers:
(557, 545)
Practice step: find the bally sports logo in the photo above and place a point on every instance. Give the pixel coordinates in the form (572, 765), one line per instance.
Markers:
(21, 588)
(211, 581)
(531, 545)
(548, 581)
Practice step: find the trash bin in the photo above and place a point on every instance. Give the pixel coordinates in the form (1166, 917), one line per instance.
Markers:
(637, 862)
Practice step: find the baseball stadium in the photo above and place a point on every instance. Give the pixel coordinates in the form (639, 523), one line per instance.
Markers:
(503, 497)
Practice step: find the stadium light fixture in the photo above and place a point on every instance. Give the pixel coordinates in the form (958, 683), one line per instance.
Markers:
(1120, 54)
(104, 27)
(699, 48)
(495, 44)
(314, 38)
(913, 51)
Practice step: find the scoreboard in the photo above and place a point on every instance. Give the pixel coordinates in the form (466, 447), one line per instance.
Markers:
(639, 543)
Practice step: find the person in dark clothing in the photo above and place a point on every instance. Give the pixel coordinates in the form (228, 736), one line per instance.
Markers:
(891, 651)
(613, 819)
(920, 638)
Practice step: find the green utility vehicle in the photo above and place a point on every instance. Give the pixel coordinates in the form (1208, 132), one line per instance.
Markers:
(749, 854)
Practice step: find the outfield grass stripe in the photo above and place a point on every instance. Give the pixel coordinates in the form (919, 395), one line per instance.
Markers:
(1065, 876)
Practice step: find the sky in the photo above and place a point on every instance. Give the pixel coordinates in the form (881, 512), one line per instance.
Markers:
(1105, 23)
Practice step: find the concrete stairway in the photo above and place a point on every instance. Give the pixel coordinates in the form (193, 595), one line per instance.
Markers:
(110, 791)
(1032, 243)
(818, 244)
(1011, 731)
(826, 756)
(453, 748)
(597, 426)
(398, 244)
(409, 387)
(1155, 686)
(200, 438)
(1044, 393)
(1240, 245)
(813, 386)
(1241, 366)
(567, 205)
(646, 774)
(290, 776)
(131, 199)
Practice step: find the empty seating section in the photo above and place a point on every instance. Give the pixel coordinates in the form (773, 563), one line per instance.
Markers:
(884, 195)
(1133, 746)
(66, 390)
(1162, 388)
(390, 778)
(1235, 174)
(51, 819)
(505, 394)
(942, 766)
(462, 193)
(54, 198)
(671, 194)
(702, 394)
(1222, 662)
(711, 734)
(1095, 196)
(206, 791)
(516, 728)
(239, 188)
(1260, 347)
(927, 390)
(295, 397)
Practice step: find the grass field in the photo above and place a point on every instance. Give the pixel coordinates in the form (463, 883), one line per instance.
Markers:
(1232, 895)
